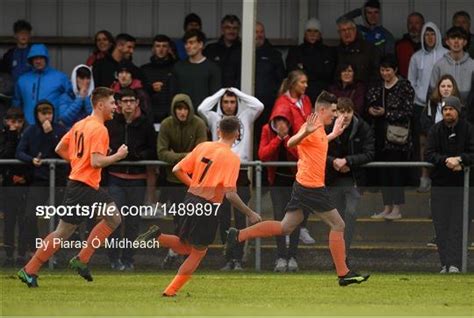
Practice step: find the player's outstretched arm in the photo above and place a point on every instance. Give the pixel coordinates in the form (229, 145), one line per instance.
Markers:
(311, 125)
(237, 203)
(98, 160)
(181, 175)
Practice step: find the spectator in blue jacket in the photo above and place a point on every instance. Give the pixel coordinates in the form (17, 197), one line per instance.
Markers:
(37, 143)
(42, 82)
(76, 104)
(15, 60)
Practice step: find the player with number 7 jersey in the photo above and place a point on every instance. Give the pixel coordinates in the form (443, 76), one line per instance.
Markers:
(211, 172)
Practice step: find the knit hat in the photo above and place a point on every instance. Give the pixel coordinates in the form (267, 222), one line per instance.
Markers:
(313, 24)
(452, 101)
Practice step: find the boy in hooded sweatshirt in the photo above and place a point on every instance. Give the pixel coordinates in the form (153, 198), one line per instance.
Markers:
(42, 82)
(76, 104)
(456, 62)
(233, 102)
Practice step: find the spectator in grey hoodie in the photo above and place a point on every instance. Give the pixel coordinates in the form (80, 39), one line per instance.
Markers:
(456, 63)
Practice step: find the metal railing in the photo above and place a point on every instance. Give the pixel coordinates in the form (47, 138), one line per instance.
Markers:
(258, 190)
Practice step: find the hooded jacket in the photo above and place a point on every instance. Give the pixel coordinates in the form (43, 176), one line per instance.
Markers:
(159, 70)
(357, 146)
(421, 65)
(461, 70)
(271, 143)
(248, 110)
(35, 141)
(318, 61)
(298, 114)
(72, 106)
(37, 85)
(439, 147)
(176, 138)
(138, 135)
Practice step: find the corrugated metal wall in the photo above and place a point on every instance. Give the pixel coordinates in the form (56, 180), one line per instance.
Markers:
(145, 18)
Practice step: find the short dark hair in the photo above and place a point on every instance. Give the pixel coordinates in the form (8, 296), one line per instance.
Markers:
(345, 104)
(463, 14)
(325, 99)
(389, 61)
(100, 93)
(108, 35)
(83, 72)
(229, 125)
(21, 25)
(161, 38)
(127, 92)
(231, 18)
(194, 33)
(341, 67)
(417, 14)
(372, 4)
(192, 17)
(14, 113)
(124, 37)
(229, 94)
(457, 32)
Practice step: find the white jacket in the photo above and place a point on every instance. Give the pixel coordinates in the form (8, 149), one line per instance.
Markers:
(421, 65)
(248, 110)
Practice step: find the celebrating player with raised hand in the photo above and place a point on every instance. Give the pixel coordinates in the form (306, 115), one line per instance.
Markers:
(214, 169)
(85, 146)
(309, 193)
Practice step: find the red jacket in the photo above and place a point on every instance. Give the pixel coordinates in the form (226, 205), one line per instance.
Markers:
(270, 143)
(299, 115)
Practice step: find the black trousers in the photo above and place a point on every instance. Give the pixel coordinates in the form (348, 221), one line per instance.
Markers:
(240, 219)
(392, 179)
(446, 209)
(14, 207)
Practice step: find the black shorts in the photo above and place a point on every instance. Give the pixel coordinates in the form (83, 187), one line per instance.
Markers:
(197, 230)
(80, 193)
(309, 200)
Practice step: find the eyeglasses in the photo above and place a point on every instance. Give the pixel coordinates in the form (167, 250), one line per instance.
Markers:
(128, 101)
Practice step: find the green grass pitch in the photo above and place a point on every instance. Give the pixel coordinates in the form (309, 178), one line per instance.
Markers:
(214, 293)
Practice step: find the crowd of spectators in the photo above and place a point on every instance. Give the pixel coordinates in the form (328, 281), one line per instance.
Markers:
(392, 94)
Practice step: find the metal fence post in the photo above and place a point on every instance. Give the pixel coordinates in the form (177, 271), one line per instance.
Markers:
(465, 219)
(52, 185)
(258, 208)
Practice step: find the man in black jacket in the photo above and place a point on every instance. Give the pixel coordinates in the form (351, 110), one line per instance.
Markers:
(227, 52)
(346, 154)
(450, 148)
(127, 184)
(158, 74)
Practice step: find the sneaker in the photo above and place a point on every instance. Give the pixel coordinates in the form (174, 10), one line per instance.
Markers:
(232, 240)
(281, 265)
(393, 216)
(30, 280)
(305, 238)
(81, 268)
(352, 278)
(8, 262)
(443, 270)
(380, 215)
(425, 185)
(238, 266)
(117, 265)
(228, 266)
(152, 233)
(292, 265)
(432, 243)
(453, 270)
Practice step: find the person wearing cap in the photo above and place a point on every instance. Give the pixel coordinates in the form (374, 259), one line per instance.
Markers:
(456, 62)
(42, 82)
(191, 22)
(372, 30)
(317, 60)
(450, 148)
(179, 134)
(14, 183)
(37, 143)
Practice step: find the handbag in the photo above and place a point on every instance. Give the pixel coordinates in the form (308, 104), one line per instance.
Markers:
(396, 133)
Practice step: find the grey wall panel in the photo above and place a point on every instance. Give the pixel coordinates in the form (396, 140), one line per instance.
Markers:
(139, 18)
(329, 10)
(44, 17)
(394, 13)
(11, 10)
(75, 14)
(431, 11)
(73, 57)
(207, 10)
(170, 17)
(269, 13)
(107, 15)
